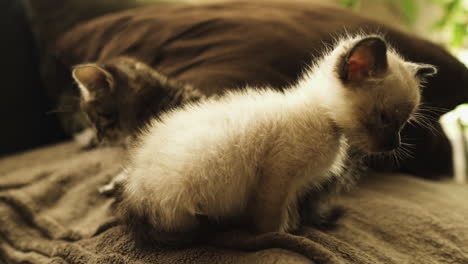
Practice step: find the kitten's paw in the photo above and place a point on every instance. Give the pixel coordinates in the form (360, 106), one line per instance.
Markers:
(107, 189)
(324, 220)
(86, 139)
(113, 186)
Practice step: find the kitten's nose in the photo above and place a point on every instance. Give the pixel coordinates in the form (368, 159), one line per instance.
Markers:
(391, 142)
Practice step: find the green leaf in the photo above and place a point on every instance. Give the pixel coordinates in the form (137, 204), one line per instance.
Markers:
(440, 2)
(350, 3)
(409, 10)
(452, 8)
(460, 30)
(439, 24)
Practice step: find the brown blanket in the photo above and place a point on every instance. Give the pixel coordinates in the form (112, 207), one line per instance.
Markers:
(51, 212)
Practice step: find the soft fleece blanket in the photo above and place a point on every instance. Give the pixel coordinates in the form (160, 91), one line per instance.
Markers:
(51, 212)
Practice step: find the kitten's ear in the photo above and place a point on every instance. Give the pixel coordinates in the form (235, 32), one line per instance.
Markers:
(425, 70)
(366, 59)
(93, 81)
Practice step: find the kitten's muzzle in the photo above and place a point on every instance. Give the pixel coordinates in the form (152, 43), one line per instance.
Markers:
(385, 141)
(390, 143)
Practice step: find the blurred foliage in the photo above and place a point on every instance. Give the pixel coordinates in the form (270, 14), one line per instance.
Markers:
(454, 16)
(349, 3)
(409, 10)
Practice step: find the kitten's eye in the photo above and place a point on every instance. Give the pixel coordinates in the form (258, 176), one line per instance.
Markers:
(108, 120)
(384, 118)
(112, 123)
(106, 115)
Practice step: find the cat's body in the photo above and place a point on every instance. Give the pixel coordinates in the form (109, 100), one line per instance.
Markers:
(120, 95)
(227, 164)
(254, 154)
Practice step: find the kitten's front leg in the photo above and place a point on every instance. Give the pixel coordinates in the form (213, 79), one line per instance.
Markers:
(315, 211)
(268, 215)
(311, 206)
(268, 206)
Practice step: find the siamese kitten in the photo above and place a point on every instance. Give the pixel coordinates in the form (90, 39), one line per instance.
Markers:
(121, 95)
(253, 154)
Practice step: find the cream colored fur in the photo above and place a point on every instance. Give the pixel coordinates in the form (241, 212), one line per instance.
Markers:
(254, 153)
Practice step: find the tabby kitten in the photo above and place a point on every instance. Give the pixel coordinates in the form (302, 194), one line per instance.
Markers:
(121, 95)
(253, 154)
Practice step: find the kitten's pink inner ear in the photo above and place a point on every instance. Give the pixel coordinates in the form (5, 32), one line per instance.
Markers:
(367, 59)
(359, 64)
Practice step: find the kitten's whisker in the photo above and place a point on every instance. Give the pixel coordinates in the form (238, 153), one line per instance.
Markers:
(425, 116)
(426, 119)
(407, 145)
(435, 109)
(423, 121)
(395, 158)
(404, 152)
